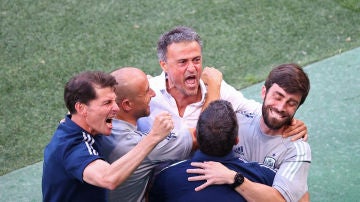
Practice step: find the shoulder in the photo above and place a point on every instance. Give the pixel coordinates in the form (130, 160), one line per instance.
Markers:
(69, 131)
(302, 146)
(299, 149)
(158, 81)
(173, 174)
(255, 165)
(245, 117)
(175, 166)
(67, 138)
(68, 135)
(122, 129)
(299, 144)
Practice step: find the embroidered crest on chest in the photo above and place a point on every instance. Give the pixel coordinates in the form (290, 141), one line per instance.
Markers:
(270, 161)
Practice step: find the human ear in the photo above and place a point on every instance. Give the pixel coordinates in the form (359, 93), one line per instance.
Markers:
(263, 92)
(80, 108)
(236, 140)
(163, 66)
(126, 104)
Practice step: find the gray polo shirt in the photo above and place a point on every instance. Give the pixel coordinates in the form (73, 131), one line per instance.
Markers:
(124, 137)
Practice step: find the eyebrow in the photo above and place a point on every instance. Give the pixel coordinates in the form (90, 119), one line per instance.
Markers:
(279, 93)
(290, 100)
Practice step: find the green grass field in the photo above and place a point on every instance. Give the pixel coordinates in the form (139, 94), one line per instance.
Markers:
(43, 43)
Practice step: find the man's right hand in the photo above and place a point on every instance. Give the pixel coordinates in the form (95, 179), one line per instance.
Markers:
(162, 126)
(211, 172)
(212, 78)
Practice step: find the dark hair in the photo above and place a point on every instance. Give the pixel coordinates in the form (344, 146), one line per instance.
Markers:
(217, 129)
(176, 35)
(291, 78)
(80, 88)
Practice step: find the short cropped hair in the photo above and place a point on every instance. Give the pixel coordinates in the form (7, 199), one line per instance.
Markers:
(291, 78)
(81, 87)
(217, 129)
(176, 35)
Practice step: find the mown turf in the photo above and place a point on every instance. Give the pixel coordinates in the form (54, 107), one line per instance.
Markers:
(44, 42)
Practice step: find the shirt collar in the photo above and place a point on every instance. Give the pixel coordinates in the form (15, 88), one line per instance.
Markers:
(200, 156)
(70, 123)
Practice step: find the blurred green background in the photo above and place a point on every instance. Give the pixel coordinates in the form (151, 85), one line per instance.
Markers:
(44, 42)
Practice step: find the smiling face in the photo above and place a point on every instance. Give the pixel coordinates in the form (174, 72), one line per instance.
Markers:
(183, 67)
(279, 107)
(99, 112)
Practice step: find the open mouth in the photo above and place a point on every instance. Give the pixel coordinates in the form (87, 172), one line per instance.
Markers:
(191, 81)
(109, 122)
(277, 114)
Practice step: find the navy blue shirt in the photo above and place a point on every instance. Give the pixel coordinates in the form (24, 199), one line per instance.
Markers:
(70, 150)
(172, 183)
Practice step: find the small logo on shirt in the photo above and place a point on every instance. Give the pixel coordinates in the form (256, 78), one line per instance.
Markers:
(239, 150)
(269, 162)
(171, 136)
(245, 113)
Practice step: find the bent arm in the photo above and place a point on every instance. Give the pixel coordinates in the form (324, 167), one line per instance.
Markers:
(217, 88)
(102, 174)
(216, 173)
(212, 78)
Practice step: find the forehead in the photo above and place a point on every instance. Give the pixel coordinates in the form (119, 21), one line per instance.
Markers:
(184, 49)
(103, 94)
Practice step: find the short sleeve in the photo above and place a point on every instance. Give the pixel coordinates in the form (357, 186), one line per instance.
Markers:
(77, 156)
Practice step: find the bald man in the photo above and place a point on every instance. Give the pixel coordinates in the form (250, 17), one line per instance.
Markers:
(133, 97)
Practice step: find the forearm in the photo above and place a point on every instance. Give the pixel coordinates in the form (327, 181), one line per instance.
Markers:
(109, 176)
(213, 93)
(253, 191)
(212, 78)
(102, 174)
(121, 169)
(216, 173)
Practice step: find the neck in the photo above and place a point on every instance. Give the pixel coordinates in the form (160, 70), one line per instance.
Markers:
(80, 121)
(182, 100)
(265, 129)
(127, 118)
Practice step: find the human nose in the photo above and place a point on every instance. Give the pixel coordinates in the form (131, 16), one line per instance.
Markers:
(115, 107)
(152, 93)
(191, 67)
(281, 106)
